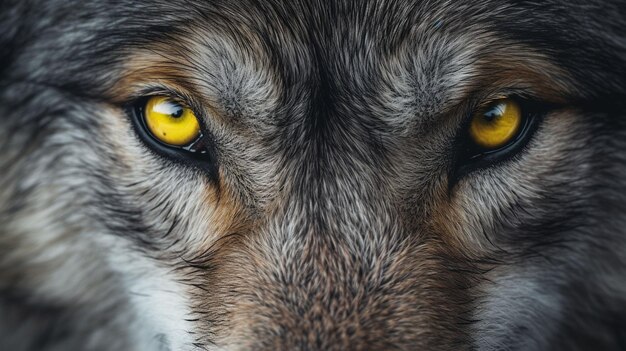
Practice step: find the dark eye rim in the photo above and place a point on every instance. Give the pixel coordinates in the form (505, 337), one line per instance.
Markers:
(199, 153)
(470, 157)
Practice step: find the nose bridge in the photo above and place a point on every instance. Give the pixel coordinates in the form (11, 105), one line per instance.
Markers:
(327, 281)
(337, 204)
(338, 219)
(332, 266)
(337, 164)
(334, 277)
(337, 192)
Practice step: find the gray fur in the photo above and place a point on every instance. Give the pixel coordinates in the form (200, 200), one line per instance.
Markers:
(332, 217)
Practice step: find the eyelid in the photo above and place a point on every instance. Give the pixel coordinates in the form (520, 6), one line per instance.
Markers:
(480, 99)
(186, 100)
(528, 102)
(492, 100)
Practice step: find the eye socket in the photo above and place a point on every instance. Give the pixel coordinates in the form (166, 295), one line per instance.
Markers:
(171, 129)
(170, 122)
(496, 125)
(495, 133)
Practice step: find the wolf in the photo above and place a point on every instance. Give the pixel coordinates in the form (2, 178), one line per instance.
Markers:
(312, 175)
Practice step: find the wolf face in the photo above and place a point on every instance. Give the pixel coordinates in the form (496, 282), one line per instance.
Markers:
(384, 175)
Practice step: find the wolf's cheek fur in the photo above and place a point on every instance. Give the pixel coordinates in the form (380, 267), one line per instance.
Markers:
(162, 262)
(489, 203)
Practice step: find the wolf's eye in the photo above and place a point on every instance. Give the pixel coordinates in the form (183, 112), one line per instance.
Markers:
(170, 128)
(170, 122)
(495, 126)
(495, 133)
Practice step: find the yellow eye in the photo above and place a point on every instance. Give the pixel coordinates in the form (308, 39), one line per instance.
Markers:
(170, 122)
(496, 125)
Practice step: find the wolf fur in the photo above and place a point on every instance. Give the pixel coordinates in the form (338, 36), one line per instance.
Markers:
(330, 215)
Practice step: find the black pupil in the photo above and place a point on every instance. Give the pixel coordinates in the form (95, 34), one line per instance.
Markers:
(178, 111)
